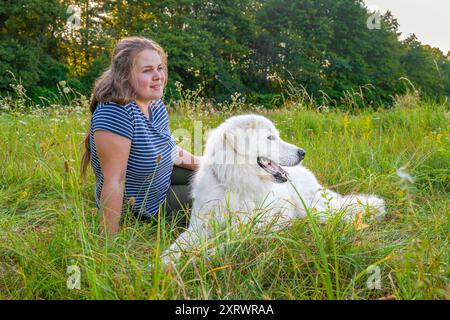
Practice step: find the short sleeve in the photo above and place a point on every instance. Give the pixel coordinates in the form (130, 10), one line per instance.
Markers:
(113, 118)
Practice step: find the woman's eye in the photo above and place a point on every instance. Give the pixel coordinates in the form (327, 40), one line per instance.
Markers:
(271, 137)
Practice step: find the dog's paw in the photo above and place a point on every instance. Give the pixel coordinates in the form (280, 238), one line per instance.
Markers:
(323, 217)
(167, 262)
(377, 207)
(371, 207)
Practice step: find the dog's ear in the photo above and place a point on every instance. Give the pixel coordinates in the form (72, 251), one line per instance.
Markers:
(239, 142)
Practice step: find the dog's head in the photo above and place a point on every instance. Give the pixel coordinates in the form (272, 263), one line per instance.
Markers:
(253, 143)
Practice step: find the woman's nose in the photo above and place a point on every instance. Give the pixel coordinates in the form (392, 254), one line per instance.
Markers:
(156, 75)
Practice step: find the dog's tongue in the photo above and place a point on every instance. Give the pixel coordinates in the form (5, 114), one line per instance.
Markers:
(273, 168)
(283, 175)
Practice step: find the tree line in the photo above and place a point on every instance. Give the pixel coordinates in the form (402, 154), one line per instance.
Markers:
(259, 48)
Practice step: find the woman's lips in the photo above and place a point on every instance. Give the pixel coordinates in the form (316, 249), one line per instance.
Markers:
(156, 87)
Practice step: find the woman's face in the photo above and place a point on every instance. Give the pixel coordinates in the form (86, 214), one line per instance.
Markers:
(148, 76)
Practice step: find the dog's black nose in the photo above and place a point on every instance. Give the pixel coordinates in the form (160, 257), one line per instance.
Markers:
(301, 154)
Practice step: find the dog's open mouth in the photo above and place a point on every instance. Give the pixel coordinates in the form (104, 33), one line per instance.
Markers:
(274, 169)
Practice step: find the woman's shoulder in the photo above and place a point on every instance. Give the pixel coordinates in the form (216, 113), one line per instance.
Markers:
(111, 116)
(114, 109)
(114, 106)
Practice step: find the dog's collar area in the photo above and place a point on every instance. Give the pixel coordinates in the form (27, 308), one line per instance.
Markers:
(273, 168)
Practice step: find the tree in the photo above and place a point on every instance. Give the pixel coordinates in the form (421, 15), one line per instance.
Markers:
(421, 66)
(28, 38)
(294, 40)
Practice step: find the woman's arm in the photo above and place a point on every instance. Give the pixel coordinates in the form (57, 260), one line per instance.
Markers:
(112, 197)
(187, 160)
(113, 151)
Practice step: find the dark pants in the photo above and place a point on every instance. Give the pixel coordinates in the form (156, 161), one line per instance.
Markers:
(178, 196)
(178, 200)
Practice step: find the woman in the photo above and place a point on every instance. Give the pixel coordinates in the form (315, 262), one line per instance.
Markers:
(129, 143)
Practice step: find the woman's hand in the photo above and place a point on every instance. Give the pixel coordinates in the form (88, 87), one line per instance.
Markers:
(187, 160)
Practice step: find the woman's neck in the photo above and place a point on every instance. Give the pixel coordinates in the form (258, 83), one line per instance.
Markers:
(143, 105)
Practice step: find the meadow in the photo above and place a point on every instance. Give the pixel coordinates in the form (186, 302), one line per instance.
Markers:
(49, 229)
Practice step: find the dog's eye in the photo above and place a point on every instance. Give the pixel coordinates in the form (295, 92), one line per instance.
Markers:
(271, 137)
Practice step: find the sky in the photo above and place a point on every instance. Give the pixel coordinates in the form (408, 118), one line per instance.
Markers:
(428, 19)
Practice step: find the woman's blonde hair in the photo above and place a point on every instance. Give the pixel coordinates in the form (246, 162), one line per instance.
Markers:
(114, 85)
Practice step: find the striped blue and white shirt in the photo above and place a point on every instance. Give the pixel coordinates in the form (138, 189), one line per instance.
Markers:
(152, 152)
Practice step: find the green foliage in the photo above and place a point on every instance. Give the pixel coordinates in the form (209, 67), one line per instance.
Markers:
(29, 42)
(19, 58)
(322, 46)
(424, 66)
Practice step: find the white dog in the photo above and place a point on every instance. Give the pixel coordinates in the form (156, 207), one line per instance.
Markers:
(247, 172)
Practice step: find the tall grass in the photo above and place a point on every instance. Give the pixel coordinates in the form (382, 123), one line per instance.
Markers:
(48, 219)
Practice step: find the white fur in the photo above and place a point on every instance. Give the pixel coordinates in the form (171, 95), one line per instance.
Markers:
(230, 183)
